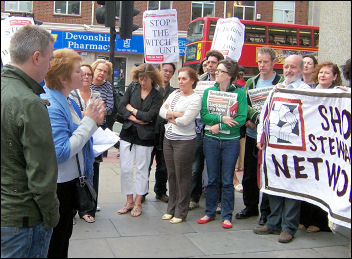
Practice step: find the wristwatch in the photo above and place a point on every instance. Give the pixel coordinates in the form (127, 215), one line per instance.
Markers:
(132, 110)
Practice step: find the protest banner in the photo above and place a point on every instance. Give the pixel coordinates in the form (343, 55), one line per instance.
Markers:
(160, 33)
(222, 103)
(258, 96)
(229, 37)
(308, 149)
(8, 27)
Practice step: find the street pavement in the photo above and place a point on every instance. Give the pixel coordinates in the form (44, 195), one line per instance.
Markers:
(115, 236)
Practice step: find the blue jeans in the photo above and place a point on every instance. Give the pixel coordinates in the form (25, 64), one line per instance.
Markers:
(29, 242)
(224, 153)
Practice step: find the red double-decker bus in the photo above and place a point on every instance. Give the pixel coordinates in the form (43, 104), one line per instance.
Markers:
(285, 39)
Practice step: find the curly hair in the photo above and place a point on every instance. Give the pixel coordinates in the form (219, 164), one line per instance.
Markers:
(147, 70)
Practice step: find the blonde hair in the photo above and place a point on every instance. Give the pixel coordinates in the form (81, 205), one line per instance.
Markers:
(106, 62)
(61, 67)
(147, 70)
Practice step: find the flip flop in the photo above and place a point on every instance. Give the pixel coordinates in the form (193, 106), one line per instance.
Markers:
(137, 210)
(88, 219)
(128, 207)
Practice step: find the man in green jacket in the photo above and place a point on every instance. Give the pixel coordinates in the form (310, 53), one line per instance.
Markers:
(29, 204)
(266, 77)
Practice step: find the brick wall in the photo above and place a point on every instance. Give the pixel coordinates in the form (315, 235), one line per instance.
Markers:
(44, 11)
(265, 8)
(301, 15)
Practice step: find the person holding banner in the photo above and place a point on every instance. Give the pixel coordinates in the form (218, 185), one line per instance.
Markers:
(328, 75)
(180, 109)
(224, 111)
(139, 107)
(309, 62)
(313, 218)
(285, 212)
(266, 78)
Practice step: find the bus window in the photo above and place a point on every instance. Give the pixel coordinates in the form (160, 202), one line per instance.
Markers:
(305, 38)
(283, 36)
(212, 27)
(316, 39)
(255, 33)
(195, 31)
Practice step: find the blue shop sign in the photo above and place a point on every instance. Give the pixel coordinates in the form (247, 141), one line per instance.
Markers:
(93, 41)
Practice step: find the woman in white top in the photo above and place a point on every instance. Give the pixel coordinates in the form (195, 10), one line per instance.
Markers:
(180, 109)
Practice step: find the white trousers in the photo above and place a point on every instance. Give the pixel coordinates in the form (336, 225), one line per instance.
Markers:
(128, 155)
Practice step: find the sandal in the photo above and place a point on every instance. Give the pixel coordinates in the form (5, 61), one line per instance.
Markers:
(127, 208)
(239, 188)
(137, 210)
(88, 218)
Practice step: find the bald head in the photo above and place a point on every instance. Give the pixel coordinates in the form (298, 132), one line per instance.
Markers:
(293, 67)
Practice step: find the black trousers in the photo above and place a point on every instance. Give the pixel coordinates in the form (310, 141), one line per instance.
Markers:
(249, 180)
(197, 169)
(314, 215)
(59, 241)
(160, 171)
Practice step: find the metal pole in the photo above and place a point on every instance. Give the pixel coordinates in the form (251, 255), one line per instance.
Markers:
(112, 50)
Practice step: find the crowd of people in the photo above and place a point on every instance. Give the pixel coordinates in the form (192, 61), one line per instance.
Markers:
(47, 134)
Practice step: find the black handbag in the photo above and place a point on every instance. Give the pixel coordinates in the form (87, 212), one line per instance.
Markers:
(85, 195)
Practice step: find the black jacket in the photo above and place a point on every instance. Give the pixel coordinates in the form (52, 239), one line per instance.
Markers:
(148, 110)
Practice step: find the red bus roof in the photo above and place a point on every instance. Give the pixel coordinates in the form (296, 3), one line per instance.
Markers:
(288, 25)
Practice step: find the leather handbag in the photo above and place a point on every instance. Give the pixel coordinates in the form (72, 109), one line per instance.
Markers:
(85, 195)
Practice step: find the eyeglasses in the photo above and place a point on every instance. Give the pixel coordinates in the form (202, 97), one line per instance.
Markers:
(87, 74)
(221, 71)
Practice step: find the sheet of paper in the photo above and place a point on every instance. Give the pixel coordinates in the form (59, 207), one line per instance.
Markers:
(103, 140)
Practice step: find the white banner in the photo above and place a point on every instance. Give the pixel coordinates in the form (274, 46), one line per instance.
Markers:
(8, 27)
(229, 37)
(308, 150)
(160, 33)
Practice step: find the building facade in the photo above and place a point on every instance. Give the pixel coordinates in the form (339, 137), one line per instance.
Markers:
(74, 25)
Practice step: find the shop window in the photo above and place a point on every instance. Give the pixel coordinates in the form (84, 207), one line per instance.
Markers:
(19, 6)
(202, 9)
(67, 7)
(244, 10)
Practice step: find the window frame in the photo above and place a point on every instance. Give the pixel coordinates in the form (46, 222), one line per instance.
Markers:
(283, 11)
(18, 5)
(159, 5)
(244, 10)
(202, 3)
(66, 11)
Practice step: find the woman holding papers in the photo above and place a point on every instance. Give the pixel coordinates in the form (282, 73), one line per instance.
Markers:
(71, 135)
(83, 97)
(180, 109)
(139, 107)
(224, 111)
